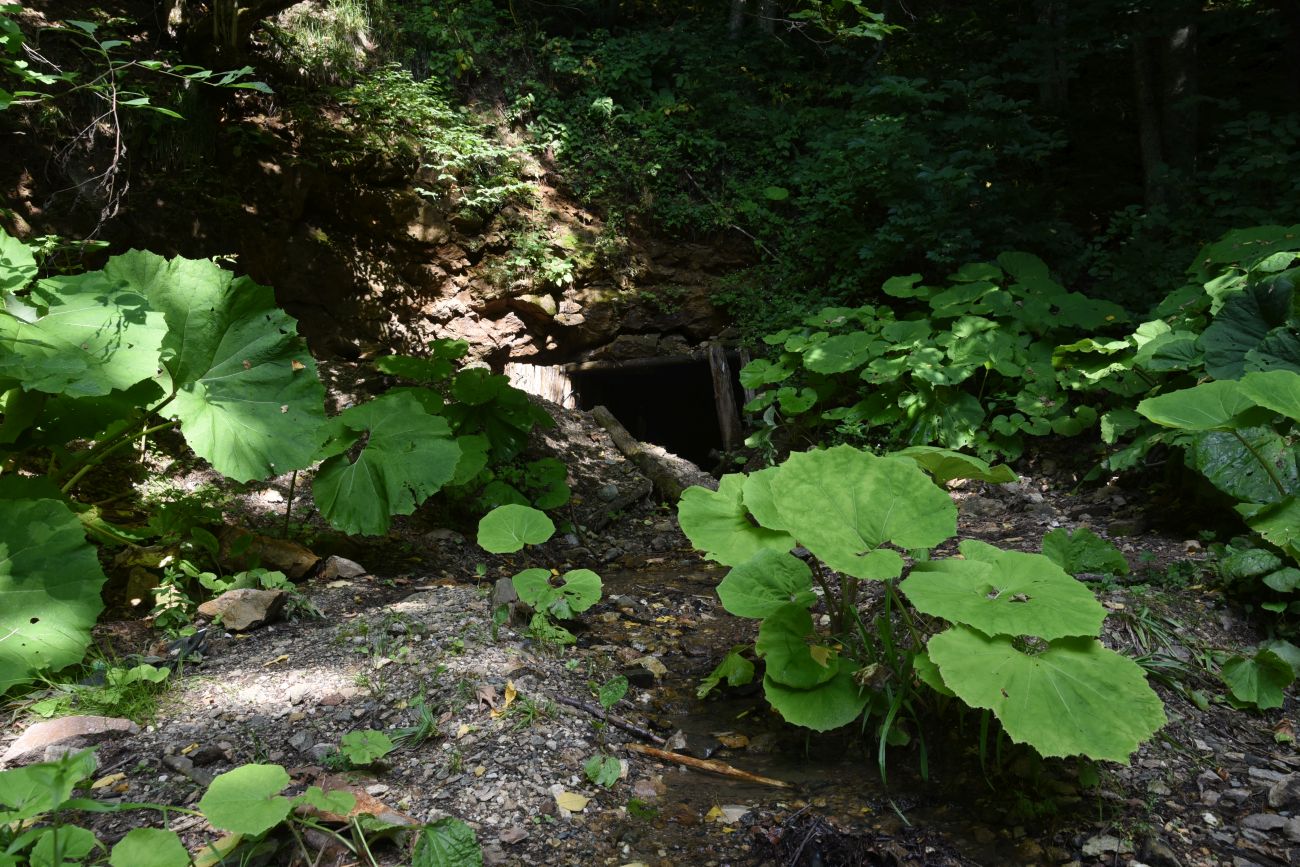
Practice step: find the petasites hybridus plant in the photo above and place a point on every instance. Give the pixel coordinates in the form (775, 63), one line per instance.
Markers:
(1005, 631)
(507, 529)
(92, 362)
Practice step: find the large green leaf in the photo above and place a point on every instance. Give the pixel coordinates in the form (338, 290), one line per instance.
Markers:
(1083, 551)
(766, 582)
(841, 353)
(89, 336)
(945, 465)
(843, 504)
(783, 642)
(149, 847)
(718, 524)
(1004, 593)
(735, 669)
(247, 394)
(837, 702)
(408, 456)
(30, 790)
(49, 580)
(447, 842)
(577, 591)
(756, 495)
(1246, 319)
(1258, 681)
(1234, 462)
(1218, 405)
(761, 372)
(17, 264)
(1074, 698)
(507, 529)
(1279, 390)
(1279, 350)
(247, 800)
(1279, 522)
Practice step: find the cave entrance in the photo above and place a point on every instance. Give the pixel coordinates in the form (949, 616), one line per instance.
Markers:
(686, 404)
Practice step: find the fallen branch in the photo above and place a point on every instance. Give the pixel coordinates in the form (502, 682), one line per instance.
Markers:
(670, 474)
(612, 719)
(709, 765)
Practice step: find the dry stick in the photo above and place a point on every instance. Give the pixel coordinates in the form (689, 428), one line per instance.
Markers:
(616, 721)
(709, 765)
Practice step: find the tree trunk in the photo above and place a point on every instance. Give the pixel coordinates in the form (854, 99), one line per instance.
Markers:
(737, 20)
(1178, 103)
(1053, 87)
(1145, 71)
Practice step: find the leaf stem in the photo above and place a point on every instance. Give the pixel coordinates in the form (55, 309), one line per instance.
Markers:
(100, 454)
(832, 600)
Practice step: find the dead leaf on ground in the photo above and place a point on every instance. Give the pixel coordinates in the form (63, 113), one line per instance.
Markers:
(511, 692)
(571, 801)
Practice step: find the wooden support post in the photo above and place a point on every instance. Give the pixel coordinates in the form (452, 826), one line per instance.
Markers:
(724, 397)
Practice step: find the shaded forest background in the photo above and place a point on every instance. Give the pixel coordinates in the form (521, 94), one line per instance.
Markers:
(832, 144)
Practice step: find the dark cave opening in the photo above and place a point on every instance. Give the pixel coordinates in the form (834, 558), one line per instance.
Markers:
(669, 404)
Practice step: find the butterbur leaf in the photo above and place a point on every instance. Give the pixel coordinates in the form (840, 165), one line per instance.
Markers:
(928, 673)
(1283, 580)
(1074, 698)
(1220, 405)
(1248, 563)
(764, 583)
(447, 843)
(73, 843)
(1005, 593)
(149, 847)
(783, 643)
(365, 747)
(837, 702)
(50, 580)
(38, 788)
(247, 394)
(579, 589)
(735, 669)
(17, 264)
(946, 465)
(1235, 467)
(1278, 390)
(603, 770)
(473, 458)
(90, 336)
(424, 370)
(1258, 681)
(612, 691)
(839, 354)
(761, 372)
(339, 802)
(1241, 325)
(1279, 523)
(507, 529)
(407, 457)
(756, 495)
(247, 800)
(843, 503)
(1083, 551)
(795, 401)
(718, 524)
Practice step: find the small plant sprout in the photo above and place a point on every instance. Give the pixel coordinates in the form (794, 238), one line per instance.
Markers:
(507, 529)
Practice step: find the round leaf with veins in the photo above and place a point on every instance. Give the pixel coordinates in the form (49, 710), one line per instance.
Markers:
(1004, 593)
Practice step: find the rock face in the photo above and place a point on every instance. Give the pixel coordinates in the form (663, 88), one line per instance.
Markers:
(368, 265)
